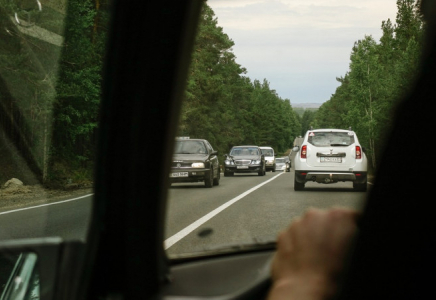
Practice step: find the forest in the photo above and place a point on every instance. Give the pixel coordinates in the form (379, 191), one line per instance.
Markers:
(51, 66)
(225, 106)
(380, 75)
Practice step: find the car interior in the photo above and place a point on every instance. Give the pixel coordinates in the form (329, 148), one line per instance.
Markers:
(124, 258)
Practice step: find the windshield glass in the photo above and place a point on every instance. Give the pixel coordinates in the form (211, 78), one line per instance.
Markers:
(189, 147)
(244, 151)
(51, 56)
(267, 152)
(330, 138)
(280, 160)
(263, 73)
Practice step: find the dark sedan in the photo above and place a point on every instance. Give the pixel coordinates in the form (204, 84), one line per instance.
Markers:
(244, 159)
(194, 160)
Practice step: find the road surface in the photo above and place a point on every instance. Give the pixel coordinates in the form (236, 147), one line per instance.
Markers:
(243, 209)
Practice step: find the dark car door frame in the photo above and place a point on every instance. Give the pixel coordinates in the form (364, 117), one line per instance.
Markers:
(145, 73)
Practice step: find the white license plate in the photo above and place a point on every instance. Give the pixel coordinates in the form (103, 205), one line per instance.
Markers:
(179, 174)
(331, 159)
(242, 167)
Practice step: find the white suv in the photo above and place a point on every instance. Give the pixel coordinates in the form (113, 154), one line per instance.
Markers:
(330, 156)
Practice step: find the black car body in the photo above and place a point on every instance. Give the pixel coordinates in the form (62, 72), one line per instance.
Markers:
(194, 160)
(245, 159)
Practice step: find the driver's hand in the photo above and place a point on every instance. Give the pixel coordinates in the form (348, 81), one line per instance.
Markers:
(310, 254)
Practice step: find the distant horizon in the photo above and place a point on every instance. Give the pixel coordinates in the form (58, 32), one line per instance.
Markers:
(308, 102)
(300, 47)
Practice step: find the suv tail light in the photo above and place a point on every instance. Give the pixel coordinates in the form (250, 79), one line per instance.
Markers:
(358, 153)
(303, 151)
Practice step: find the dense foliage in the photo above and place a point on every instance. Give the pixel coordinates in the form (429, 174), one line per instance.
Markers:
(50, 83)
(224, 106)
(379, 76)
(50, 67)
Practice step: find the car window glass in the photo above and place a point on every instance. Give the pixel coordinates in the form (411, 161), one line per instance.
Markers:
(189, 147)
(209, 146)
(264, 74)
(244, 151)
(267, 152)
(329, 138)
(51, 56)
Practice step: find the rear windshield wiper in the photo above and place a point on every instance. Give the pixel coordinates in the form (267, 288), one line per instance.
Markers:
(336, 145)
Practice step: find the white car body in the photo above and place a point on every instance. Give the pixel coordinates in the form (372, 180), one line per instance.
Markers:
(270, 160)
(330, 156)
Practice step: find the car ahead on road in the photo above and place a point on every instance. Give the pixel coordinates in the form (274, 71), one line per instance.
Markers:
(288, 163)
(194, 160)
(244, 159)
(270, 161)
(329, 156)
(281, 164)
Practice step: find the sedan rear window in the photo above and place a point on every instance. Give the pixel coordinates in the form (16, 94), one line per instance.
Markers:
(324, 139)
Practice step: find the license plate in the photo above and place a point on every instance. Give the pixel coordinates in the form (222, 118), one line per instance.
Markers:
(179, 174)
(331, 159)
(242, 167)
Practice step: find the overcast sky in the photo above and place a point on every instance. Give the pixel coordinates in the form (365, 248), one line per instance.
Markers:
(299, 46)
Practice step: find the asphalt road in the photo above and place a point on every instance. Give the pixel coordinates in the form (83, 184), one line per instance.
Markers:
(68, 219)
(243, 209)
(244, 212)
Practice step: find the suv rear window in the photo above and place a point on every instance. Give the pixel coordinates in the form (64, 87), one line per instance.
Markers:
(324, 139)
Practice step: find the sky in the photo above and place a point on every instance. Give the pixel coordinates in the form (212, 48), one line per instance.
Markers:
(300, 46)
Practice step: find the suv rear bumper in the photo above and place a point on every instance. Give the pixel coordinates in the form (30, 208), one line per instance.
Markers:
(330, 177)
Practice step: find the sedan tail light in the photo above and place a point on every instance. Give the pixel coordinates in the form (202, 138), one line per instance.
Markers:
(303, 152)
(358, 152)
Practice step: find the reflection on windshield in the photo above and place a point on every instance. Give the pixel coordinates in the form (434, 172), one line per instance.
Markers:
(51, 54)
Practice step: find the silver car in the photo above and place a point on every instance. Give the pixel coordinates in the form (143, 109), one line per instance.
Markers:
(330, 156)
(282, 164)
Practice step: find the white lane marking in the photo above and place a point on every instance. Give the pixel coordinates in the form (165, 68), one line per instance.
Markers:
(48, 204)
(187, 230)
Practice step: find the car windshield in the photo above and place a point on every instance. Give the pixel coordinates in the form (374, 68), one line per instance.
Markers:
(244, 151)
(264, 73)
(324, 139)
(189, 147)
(267, 152)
